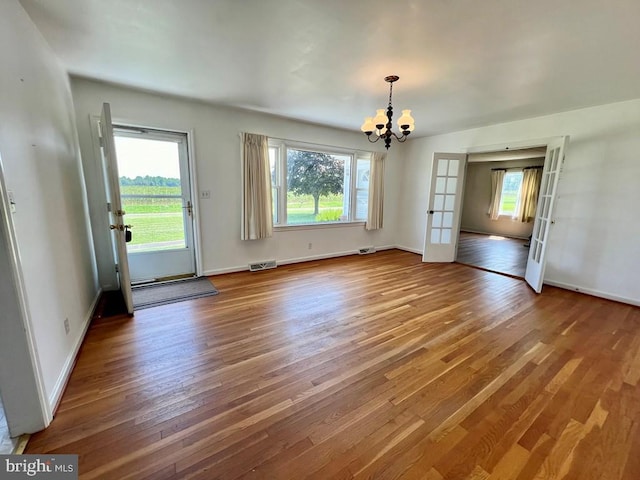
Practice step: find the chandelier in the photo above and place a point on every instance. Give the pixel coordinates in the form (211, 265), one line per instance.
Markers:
(381, 123)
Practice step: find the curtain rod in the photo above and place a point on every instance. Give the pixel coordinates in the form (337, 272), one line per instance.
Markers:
(516, 168)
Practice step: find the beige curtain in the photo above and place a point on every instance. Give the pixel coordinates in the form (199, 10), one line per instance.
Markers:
(257, 219)
(528, 201)
(376, 191)
(497, 177)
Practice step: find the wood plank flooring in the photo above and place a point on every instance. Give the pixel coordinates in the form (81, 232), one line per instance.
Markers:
(373, 366)
(494, 253)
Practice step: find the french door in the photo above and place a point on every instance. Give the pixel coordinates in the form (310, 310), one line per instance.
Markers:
(445, 199)
(155, 190)
(539, 240)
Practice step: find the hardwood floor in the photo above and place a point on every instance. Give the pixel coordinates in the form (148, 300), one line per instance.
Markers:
(373, 366)
(494, 253)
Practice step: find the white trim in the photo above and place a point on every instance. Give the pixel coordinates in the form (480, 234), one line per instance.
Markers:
(594, 293)
(519, 145)
(63, 378)
(222, 271)
(409, 249)
(18, 280)
(314, 226)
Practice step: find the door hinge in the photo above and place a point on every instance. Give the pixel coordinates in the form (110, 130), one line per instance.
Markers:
(117, 268)
(108, 206)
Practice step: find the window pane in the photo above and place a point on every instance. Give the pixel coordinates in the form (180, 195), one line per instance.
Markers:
(362, 188)
(362, 204)
(273, 160)
(315, 187)
(362, 180)
(273, 164)
(510, 192)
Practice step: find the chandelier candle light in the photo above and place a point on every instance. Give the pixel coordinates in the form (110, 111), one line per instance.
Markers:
(381, 123)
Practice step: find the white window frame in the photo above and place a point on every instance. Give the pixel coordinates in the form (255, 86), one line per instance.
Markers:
(280, 186)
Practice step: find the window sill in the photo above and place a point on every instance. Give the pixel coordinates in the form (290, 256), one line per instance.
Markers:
(315, 226)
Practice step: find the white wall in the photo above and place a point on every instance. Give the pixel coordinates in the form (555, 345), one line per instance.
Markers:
(594, 244)
(217, 152)
(41, 157)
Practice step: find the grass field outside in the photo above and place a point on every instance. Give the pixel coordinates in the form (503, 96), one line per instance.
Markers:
(508, 203)
(158, 222)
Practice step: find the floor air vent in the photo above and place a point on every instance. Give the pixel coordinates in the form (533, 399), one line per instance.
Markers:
(256, 267)
(366, 250)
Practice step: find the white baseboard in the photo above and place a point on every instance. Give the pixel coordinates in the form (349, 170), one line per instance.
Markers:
(594, 293)
(58, 389)
(409, 249)
(221, 271)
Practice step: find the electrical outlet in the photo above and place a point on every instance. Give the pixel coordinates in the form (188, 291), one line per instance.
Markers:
(310, 245)
(67, 329)
(205, 194)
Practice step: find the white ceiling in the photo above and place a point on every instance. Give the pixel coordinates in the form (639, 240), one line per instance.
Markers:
(462, 63)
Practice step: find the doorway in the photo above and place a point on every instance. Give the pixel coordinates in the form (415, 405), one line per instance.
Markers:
(155, 191)
(444, 212)
(498, 243)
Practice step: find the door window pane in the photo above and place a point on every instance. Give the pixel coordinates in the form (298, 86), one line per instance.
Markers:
(442, 167)
(453, 167)
(151, 192)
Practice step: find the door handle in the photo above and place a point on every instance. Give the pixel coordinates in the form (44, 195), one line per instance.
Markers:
(121, 228)
(189, 208)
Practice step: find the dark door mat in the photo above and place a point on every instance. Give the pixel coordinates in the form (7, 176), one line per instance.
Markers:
(153, 295)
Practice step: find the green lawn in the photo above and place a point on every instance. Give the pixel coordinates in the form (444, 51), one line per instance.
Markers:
(300, 209)
(508, 202)
(154, 228)
(157, 220)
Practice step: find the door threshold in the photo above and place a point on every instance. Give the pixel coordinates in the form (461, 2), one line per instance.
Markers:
(485, 269)
(155, 281)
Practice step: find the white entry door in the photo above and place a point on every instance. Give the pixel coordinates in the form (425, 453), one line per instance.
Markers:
(445, 201)
(116, 213)
(546, 200)
(155, 189)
